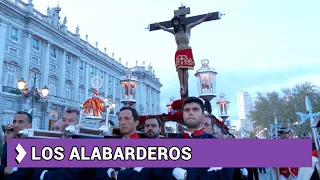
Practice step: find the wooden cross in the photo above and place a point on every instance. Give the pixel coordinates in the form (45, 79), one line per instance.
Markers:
(182, 12)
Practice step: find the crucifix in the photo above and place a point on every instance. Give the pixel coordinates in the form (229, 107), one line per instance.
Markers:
(181, 28)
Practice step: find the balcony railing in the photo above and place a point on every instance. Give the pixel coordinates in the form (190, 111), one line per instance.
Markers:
(11, 90)
(60, 100)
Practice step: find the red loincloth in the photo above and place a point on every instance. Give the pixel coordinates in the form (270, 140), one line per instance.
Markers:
(184, 59)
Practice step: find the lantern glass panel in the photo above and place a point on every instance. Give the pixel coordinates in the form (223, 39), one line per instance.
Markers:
(133, 86)
(206, 83)
(223, 108)
(125, 90)
(226, 107)
(199, 83)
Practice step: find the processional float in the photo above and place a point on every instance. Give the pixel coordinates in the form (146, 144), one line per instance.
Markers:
(184, 61)
(91, 109)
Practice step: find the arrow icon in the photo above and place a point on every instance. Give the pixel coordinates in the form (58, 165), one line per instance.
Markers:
(21, 153)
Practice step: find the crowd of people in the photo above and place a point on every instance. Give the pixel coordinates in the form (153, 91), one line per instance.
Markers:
(196, 125)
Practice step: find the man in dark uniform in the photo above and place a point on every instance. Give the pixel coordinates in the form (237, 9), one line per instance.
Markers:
(193, 111)
(70, 117)
(22, 120)
(128, 121)
(152, 130)
(8, 134)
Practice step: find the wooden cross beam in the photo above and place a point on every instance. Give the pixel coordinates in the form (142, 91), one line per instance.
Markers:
(182, 12)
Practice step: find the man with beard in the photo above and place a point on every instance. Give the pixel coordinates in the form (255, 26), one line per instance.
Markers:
(128, 121)
(193, 111)
(152, 126)
(22, 120)
(183, 57)
(70, 117)
(152, 129)
(8, 134)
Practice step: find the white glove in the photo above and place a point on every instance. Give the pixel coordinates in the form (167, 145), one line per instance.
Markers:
(179, 173)
(138, 169)
(214, 169)
(42, 174)
(109, 171)
(244, 171)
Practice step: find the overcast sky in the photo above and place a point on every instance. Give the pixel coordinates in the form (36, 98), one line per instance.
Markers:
(257, 46)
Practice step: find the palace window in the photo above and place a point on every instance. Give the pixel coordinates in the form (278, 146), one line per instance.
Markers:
(101, 74)
(68, 61)
(81, 65)
(53, 86)
(8, 120)
(53, 53)
(35, 45)
(81, 94)
(35, 60)
(91, 70)
(68, 87)
(14, 35)
(68, 73)
(11, 77)
(81, 79)
(53, 67)
(13, 51)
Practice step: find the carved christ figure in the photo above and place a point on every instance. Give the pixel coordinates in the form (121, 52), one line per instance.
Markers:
(183, 57)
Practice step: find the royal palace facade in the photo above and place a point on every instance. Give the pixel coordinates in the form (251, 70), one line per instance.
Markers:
(39, 48)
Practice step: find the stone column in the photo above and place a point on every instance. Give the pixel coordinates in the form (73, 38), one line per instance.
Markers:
(87, 81)
(62, 75)
(46, 66)
(76, 80)
(114, 94)
(3, 33)
(158, 102)
(106, 84)
(143, 97)
(26, 57)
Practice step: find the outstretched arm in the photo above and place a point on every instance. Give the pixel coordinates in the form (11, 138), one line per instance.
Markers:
(191, 25)
(165, 28)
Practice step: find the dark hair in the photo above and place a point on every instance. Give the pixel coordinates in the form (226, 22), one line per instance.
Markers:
(133, 111)
(212, 121)
(176, 29)
(196, 100)
(29, 117)
(154, 117)
(74, 110)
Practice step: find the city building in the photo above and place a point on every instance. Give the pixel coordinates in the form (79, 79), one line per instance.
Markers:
(39, 48)
(244, 109)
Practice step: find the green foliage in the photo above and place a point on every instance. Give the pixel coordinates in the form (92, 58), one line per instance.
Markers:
(252, 135)
(284, 105)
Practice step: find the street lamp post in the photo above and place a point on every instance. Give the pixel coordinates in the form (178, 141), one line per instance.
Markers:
(129, 85)
(223, 107)
(33, 93)
(206, 80)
